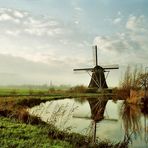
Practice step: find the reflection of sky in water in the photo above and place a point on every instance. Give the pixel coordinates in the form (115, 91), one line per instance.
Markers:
(109, 130)
(112, 109)
(61, 113)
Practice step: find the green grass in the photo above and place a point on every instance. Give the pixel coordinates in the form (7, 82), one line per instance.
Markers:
(22, 91)
(15, 134)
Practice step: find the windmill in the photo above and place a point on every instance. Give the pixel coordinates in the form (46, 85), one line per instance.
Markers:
(98, 79)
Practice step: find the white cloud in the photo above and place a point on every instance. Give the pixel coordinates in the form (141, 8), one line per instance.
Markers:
(25, 23)
(9, 15)
(19, 14)
(117, 20)
(135, 23)
(76, 22)
(13, 33)
(33, 26)
(30, 30)
(5, 17)
(41, 27)
(78, 9)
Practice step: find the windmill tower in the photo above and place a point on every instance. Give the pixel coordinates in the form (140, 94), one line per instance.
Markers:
(98, 79)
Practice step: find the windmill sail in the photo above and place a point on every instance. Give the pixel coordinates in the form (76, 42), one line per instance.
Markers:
(96, 57)
(83, 69)
(111, 66)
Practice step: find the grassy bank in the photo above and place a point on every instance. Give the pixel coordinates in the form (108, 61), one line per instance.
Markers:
(15, 134)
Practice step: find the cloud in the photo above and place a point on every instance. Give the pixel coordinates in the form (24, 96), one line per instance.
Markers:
(13, 33)
(117, 20)
(78, 9)
(35, 34)
(114, 43)
(18, 14)
(128, 46)
(41, 26)
(5, 17)
(135, 23)
(26, 23)
(11, 15)
(78, 12)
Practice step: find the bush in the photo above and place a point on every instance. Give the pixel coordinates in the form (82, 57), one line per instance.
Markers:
(78, 89)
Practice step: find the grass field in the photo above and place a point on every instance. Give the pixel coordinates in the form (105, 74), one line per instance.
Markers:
(22, 91)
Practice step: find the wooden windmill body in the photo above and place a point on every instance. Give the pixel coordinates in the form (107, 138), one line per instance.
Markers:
(98, 79)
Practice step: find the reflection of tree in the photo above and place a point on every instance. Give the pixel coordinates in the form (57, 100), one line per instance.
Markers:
(144, 110)
(131, 118)
(80, 100)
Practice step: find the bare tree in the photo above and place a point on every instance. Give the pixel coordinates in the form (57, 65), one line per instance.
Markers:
(131, 76)
(130, 80)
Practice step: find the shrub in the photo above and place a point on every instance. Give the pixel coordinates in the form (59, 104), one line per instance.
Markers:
(78, 89)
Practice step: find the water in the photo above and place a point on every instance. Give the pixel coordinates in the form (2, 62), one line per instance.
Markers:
(115, 121)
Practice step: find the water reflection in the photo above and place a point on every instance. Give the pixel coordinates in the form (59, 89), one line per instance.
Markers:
(134, 119)
(131, 115)
(97, 107)
(100, 117)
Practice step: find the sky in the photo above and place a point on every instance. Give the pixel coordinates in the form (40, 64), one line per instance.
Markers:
(44, 40)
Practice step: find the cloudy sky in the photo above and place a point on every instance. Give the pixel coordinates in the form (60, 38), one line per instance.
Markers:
(43, 40)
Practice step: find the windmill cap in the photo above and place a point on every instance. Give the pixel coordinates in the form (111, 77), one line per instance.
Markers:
(98, 67)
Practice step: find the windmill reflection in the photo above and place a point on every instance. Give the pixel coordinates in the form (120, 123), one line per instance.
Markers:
(97, 107)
